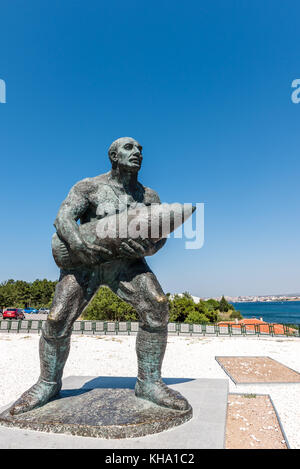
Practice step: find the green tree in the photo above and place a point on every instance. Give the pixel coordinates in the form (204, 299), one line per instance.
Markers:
(19, 293)
(180, 307)
(195, 317)
(213, 304)
(41, 292)
(236, 315)
(8, 293)
(106, 305)
(224, 305)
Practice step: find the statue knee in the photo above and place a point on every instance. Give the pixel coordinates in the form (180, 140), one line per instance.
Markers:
(156, 315)
(55, 314)
(54, 327)
(161, 299)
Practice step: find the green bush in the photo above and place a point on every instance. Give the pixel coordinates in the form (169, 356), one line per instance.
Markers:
(236, 315)
(224, 305)
(195, 317)
(106, 305)
(184, 309)
(213, 304)
(180, 307)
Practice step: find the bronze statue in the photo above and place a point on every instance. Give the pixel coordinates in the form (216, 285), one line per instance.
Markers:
(128, 275)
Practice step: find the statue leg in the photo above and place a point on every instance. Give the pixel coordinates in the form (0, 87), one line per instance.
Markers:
(72, 294)
(137, 285)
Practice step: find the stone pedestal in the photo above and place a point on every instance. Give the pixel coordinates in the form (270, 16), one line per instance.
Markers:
(103, 413)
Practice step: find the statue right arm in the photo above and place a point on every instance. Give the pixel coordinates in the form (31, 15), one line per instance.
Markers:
(72, 208)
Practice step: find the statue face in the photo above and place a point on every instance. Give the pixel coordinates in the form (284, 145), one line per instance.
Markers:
(129, 155)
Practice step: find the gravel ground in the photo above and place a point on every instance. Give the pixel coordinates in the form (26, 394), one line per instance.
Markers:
(252, 423)
(186, 357)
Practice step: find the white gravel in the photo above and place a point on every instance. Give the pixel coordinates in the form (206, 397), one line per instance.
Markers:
(186, 357)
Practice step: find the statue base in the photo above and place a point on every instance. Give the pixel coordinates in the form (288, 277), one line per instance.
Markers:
(102, 413)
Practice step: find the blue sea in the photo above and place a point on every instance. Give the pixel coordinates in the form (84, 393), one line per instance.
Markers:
(284, 312)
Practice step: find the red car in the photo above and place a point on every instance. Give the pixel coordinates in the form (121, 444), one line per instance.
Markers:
(13, 313)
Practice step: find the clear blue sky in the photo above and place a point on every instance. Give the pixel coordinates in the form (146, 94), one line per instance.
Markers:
(205, 86)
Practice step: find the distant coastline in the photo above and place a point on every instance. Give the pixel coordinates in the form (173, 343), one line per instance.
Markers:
(266, 301)
(283, 297)
(282, 312)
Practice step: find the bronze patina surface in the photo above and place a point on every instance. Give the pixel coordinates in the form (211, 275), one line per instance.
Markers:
(102, 413)
(123, 269)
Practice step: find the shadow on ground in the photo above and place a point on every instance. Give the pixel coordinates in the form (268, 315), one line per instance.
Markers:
(113, 382)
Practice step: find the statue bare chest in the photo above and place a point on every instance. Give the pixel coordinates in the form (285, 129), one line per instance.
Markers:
(110, 200)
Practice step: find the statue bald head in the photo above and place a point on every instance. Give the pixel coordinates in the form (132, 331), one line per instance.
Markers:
(126, 152)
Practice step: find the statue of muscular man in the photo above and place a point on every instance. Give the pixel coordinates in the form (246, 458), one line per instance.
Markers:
(129, 277)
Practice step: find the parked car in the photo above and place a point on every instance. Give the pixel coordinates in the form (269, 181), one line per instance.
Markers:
(31, 311)
(13, 313)
(44, 311)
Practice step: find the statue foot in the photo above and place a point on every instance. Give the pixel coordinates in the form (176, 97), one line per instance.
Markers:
(38, 395)
(159, 393)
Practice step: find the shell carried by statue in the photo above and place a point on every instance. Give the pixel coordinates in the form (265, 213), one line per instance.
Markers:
(152, 222)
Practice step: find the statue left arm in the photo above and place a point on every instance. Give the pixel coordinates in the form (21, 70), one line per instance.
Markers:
(154, 199)
(134, 249)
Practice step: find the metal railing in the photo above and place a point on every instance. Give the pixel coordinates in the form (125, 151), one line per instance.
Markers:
(131, 328)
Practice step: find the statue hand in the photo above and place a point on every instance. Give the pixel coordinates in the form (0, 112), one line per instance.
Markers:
(91, 254)
(134, 249)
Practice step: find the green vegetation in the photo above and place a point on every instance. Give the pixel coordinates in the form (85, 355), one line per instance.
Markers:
(21, 294)
(224, 305)
(236, 315)
(184, 309)
(106, 305)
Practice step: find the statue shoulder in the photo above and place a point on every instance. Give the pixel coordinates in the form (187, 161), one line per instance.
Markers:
(151, 196)
(89, 185)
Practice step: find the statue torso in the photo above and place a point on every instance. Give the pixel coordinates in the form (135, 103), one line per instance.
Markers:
(106, 197)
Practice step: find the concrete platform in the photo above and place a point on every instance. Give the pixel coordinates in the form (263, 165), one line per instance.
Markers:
(100, 413)
(206, 429)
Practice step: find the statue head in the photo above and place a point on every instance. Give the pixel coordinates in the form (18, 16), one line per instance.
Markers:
(126, 153)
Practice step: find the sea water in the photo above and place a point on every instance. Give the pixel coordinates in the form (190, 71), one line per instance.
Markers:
(284, 312)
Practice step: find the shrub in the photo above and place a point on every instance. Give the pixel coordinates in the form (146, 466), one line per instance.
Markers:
(106, 305)
(224, 305)
(195, 317)
(236, 315)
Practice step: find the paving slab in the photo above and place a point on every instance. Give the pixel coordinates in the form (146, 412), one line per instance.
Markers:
(206, 429)
(257, 370)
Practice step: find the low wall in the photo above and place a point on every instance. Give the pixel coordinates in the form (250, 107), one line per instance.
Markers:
(131, 328)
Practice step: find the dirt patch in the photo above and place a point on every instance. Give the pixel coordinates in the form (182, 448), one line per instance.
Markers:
(257, 370)
(113, 339)
(252, 423)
